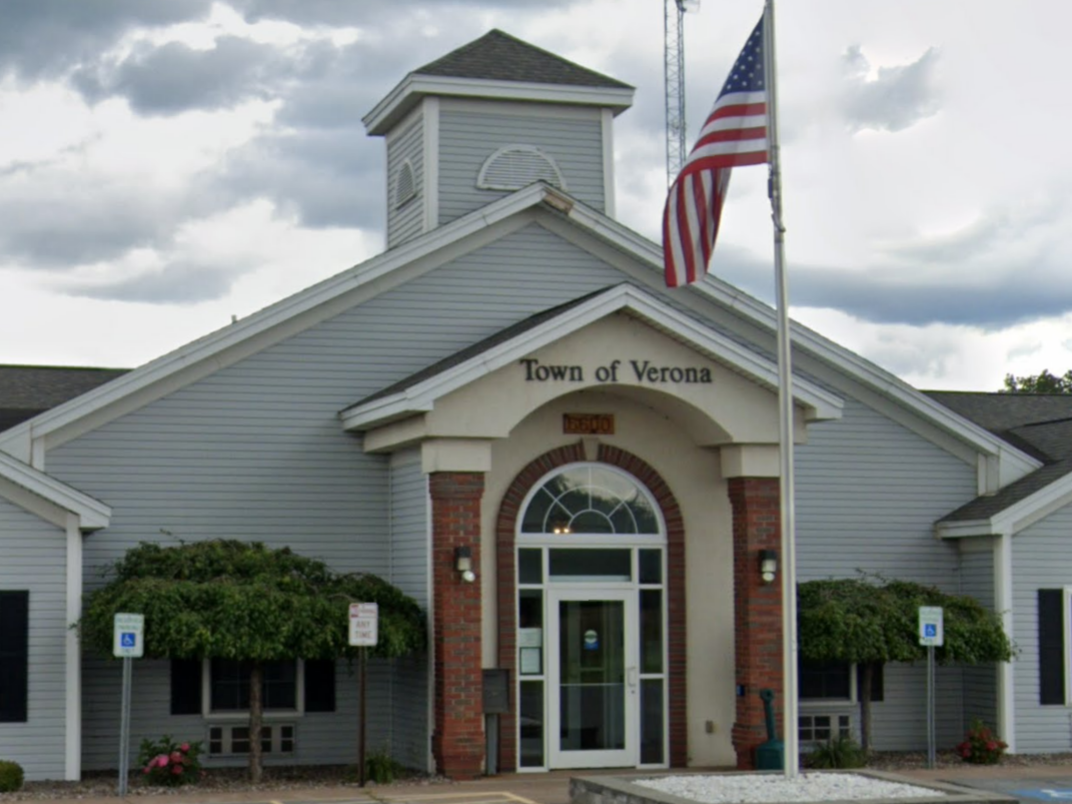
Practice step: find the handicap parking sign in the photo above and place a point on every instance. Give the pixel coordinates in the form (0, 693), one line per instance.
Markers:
(129, 636)
(930, 626)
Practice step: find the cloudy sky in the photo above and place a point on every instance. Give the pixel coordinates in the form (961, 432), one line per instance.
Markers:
(166, 165)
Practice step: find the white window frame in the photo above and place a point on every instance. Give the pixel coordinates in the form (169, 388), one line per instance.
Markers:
(580, 540)
(227, 739)
(229, 716)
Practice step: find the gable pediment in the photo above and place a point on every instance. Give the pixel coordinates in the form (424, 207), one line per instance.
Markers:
(621, 340)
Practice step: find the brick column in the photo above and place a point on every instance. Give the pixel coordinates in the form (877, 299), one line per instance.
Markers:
(757, 612)
(458, 741)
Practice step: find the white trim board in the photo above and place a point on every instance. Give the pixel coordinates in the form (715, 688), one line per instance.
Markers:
(414, 87)
(92, 514)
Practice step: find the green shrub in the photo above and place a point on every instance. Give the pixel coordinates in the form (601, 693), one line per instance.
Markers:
(381, 767)
(10, 776)
(839, 752)
(165, 762)
(981, 746)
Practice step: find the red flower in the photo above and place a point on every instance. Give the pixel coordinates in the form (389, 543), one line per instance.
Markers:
(176, 769)
(185, 748)
(176, 756)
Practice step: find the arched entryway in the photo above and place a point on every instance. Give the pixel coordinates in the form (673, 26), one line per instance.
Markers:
(592, 618)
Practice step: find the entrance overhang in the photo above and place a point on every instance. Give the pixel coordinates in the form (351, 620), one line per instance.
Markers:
(621, 341)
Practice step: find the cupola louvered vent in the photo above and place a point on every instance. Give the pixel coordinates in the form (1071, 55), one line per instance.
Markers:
(405, 184)
(517, 166)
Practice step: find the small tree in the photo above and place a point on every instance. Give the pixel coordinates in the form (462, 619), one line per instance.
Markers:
(1041, 383)
(868, 621)
(242, 600)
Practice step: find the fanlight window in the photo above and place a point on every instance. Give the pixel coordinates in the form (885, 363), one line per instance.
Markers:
(405, 184)
(517, 166)
(590, 499)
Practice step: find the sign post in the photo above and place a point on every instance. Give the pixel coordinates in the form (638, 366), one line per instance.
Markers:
(128, 642)
(364, 633)
(931, 636)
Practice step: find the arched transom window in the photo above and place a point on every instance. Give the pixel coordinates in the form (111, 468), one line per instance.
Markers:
(590, 499)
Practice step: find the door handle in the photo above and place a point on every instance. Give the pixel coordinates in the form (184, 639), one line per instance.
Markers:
(631, 677)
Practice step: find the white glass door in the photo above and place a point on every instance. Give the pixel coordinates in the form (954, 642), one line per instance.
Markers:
(593, 679)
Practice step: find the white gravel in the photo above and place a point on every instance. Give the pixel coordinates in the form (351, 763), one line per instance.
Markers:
(771, 788)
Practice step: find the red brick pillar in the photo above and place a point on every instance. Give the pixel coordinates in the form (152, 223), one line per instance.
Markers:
(757, 611)
(458, 741)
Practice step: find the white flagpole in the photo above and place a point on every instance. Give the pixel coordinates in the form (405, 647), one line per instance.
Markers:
(785, 409)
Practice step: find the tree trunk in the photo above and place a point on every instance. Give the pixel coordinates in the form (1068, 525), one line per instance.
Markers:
(256, 719)
(867, 675)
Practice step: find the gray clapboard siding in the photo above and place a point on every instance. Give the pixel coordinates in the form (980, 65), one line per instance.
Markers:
(468, 138)
(1041, 555)
(255, 451)
(977, 580)
(35, 560)
(410, 572)
(323, 738)
(868, 469)
(900, 720)
(406, 221)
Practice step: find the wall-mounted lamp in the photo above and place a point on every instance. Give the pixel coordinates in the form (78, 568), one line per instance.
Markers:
(768, 565)
(463, 562)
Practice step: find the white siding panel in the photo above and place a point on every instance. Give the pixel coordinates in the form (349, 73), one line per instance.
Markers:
(33, 557)
(1041, 559)
(467, 139)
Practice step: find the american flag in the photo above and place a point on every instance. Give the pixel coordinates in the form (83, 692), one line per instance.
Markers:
(734, 134)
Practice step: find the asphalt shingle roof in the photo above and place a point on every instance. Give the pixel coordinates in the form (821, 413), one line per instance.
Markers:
(497, 56)
(26, 391)
(1039, 424)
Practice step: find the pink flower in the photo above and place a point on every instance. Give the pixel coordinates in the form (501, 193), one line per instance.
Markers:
(176, 769)
(161, 761)
(185, 748)
(176, 756)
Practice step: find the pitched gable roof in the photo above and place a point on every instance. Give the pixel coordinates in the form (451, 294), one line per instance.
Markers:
(419, 392)
(221, 348)
(1039, 424)
(497, 56)
(500, 67)
(26, 391)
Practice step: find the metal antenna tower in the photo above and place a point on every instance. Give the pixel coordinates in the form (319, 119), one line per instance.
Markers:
(674, 71)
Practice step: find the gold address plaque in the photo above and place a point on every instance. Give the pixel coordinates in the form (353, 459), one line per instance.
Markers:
(588, 423)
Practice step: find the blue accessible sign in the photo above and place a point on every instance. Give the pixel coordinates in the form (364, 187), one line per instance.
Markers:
(128, 641)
